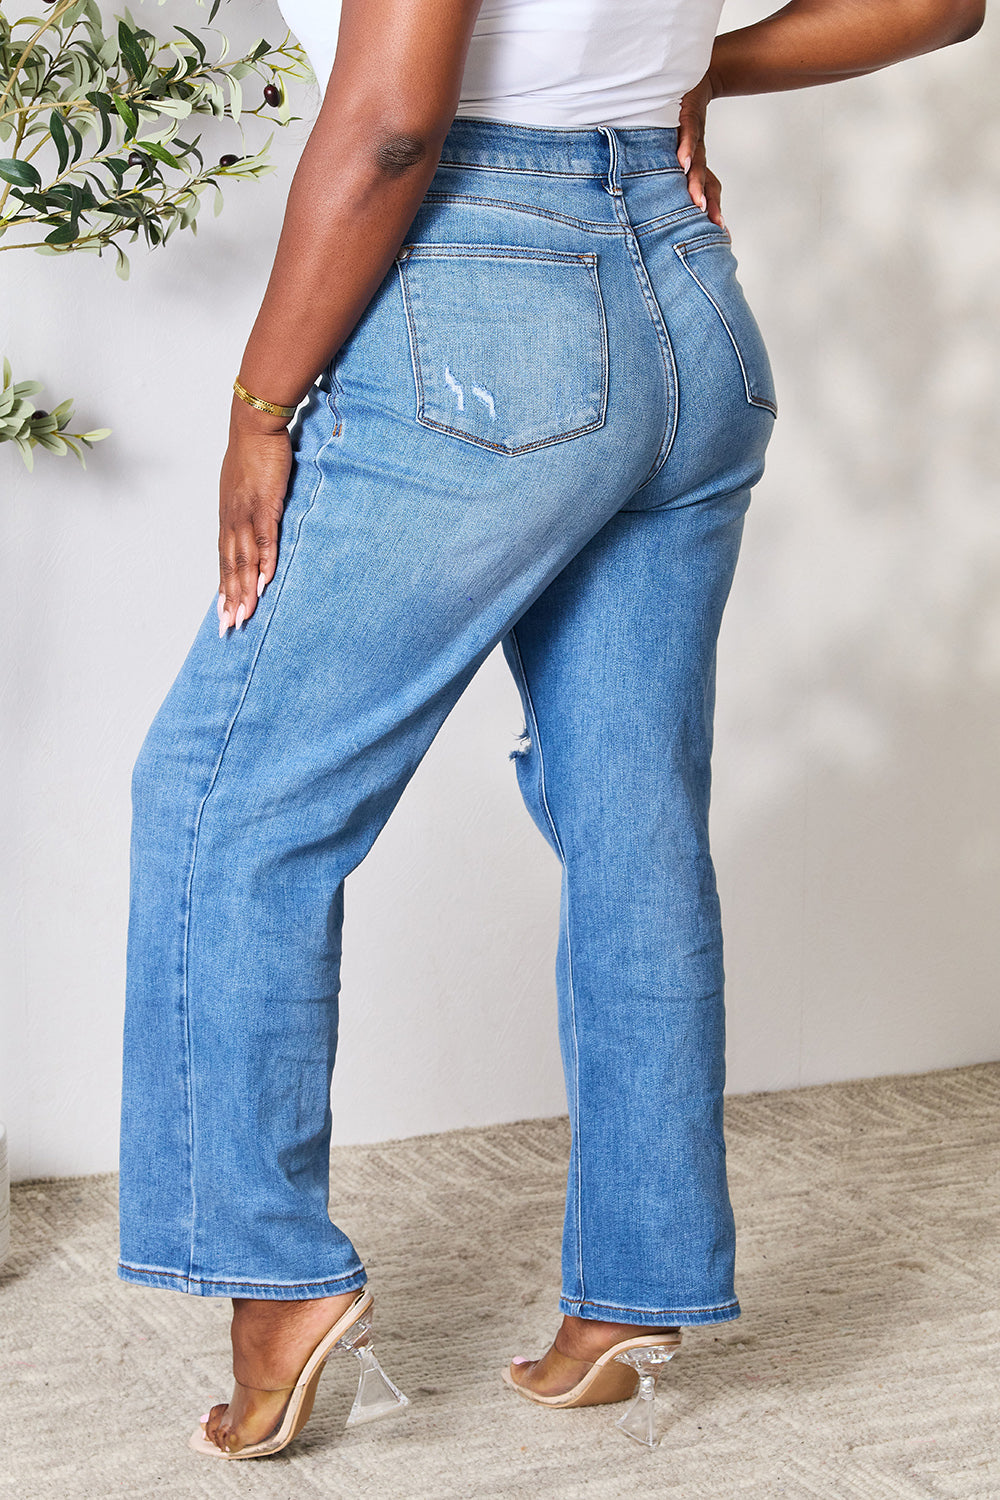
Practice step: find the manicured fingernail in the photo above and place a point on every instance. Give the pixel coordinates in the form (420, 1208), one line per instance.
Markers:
(223, 625)
(220, 602)
(722, 223)
(205, 1417)
(703, 202)
(261, 584)
(241, 615)
(686, 163)
(520, 1359)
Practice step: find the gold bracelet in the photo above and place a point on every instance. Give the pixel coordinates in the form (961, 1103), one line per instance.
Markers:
(261, 405)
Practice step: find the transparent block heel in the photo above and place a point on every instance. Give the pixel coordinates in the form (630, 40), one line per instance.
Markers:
(376, 1395)
(639, 1421)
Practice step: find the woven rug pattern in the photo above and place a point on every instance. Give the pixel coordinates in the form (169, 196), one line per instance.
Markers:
(865, 1366)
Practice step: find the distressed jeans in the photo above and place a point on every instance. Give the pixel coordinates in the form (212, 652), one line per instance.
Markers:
(542, 433)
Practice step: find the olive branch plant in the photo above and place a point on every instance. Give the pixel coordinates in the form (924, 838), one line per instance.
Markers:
(91, 118)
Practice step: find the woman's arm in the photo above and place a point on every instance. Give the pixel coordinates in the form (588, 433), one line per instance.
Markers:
(809, 42)
(823, 41)
(390, 100)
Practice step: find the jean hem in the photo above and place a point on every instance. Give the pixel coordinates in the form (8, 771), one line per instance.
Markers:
(272, 1291)
(613, 1312)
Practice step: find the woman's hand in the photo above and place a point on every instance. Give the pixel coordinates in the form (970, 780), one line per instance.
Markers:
(369, 160)
(703, 185)
(252, 490)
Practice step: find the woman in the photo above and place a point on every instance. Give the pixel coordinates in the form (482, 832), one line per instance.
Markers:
(535, 405)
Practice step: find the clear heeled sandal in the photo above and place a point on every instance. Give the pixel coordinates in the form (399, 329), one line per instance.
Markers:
(375, 1397)
(639, 1421)
(613, 1378)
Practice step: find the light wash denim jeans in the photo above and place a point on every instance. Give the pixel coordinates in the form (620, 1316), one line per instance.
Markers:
(543, 432)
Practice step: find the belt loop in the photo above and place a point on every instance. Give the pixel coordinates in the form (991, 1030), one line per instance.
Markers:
(614, 180)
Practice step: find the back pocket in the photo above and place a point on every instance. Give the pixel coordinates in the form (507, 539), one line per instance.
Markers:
(509, 346)
(711, 264)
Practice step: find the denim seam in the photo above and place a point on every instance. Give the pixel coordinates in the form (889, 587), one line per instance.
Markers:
(589, 261)
(335, 390)
(665, 221)
(594, 226)
(569, 954)
(662, 337)
(233, 1281)
(194, 856)
(654, 172)
(681, 252)
(562, 130)
(459, 250)
(479, 166)
(703, 241)
(655, 1312)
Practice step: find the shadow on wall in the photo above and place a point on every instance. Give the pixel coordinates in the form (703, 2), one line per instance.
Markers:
(857, 791)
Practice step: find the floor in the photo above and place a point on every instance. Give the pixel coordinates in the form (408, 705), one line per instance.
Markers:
(865, 1364)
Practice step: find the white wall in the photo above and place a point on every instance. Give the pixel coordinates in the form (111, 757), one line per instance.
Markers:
(857, 797)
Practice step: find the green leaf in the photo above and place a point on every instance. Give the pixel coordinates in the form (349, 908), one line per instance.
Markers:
(122, 268)
(77, 138)
(174, 109)
(96, 435)
(160, 152)
(57, 130)
(127, 113)
(20, 173)
(195, 39)
(103, 103)
(64, 235)
(107, 52)
(138, 62)
(235, 97)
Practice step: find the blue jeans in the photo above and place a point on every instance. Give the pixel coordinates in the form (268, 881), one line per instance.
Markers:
(543, 432)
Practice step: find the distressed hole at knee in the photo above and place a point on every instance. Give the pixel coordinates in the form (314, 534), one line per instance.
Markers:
(523, 745)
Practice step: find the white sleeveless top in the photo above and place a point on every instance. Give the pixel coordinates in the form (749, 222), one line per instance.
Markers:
(560, 62)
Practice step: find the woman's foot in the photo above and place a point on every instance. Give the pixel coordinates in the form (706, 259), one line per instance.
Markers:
(579, 1342)
(271, 1343)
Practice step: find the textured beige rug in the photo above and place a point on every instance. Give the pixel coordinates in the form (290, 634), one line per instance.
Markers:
(865, 1366)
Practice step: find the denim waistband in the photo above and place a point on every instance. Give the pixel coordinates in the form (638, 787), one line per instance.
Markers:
(587, 151)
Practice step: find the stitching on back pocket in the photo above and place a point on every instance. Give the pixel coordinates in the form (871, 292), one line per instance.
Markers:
(726, 295)
(508, 344)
